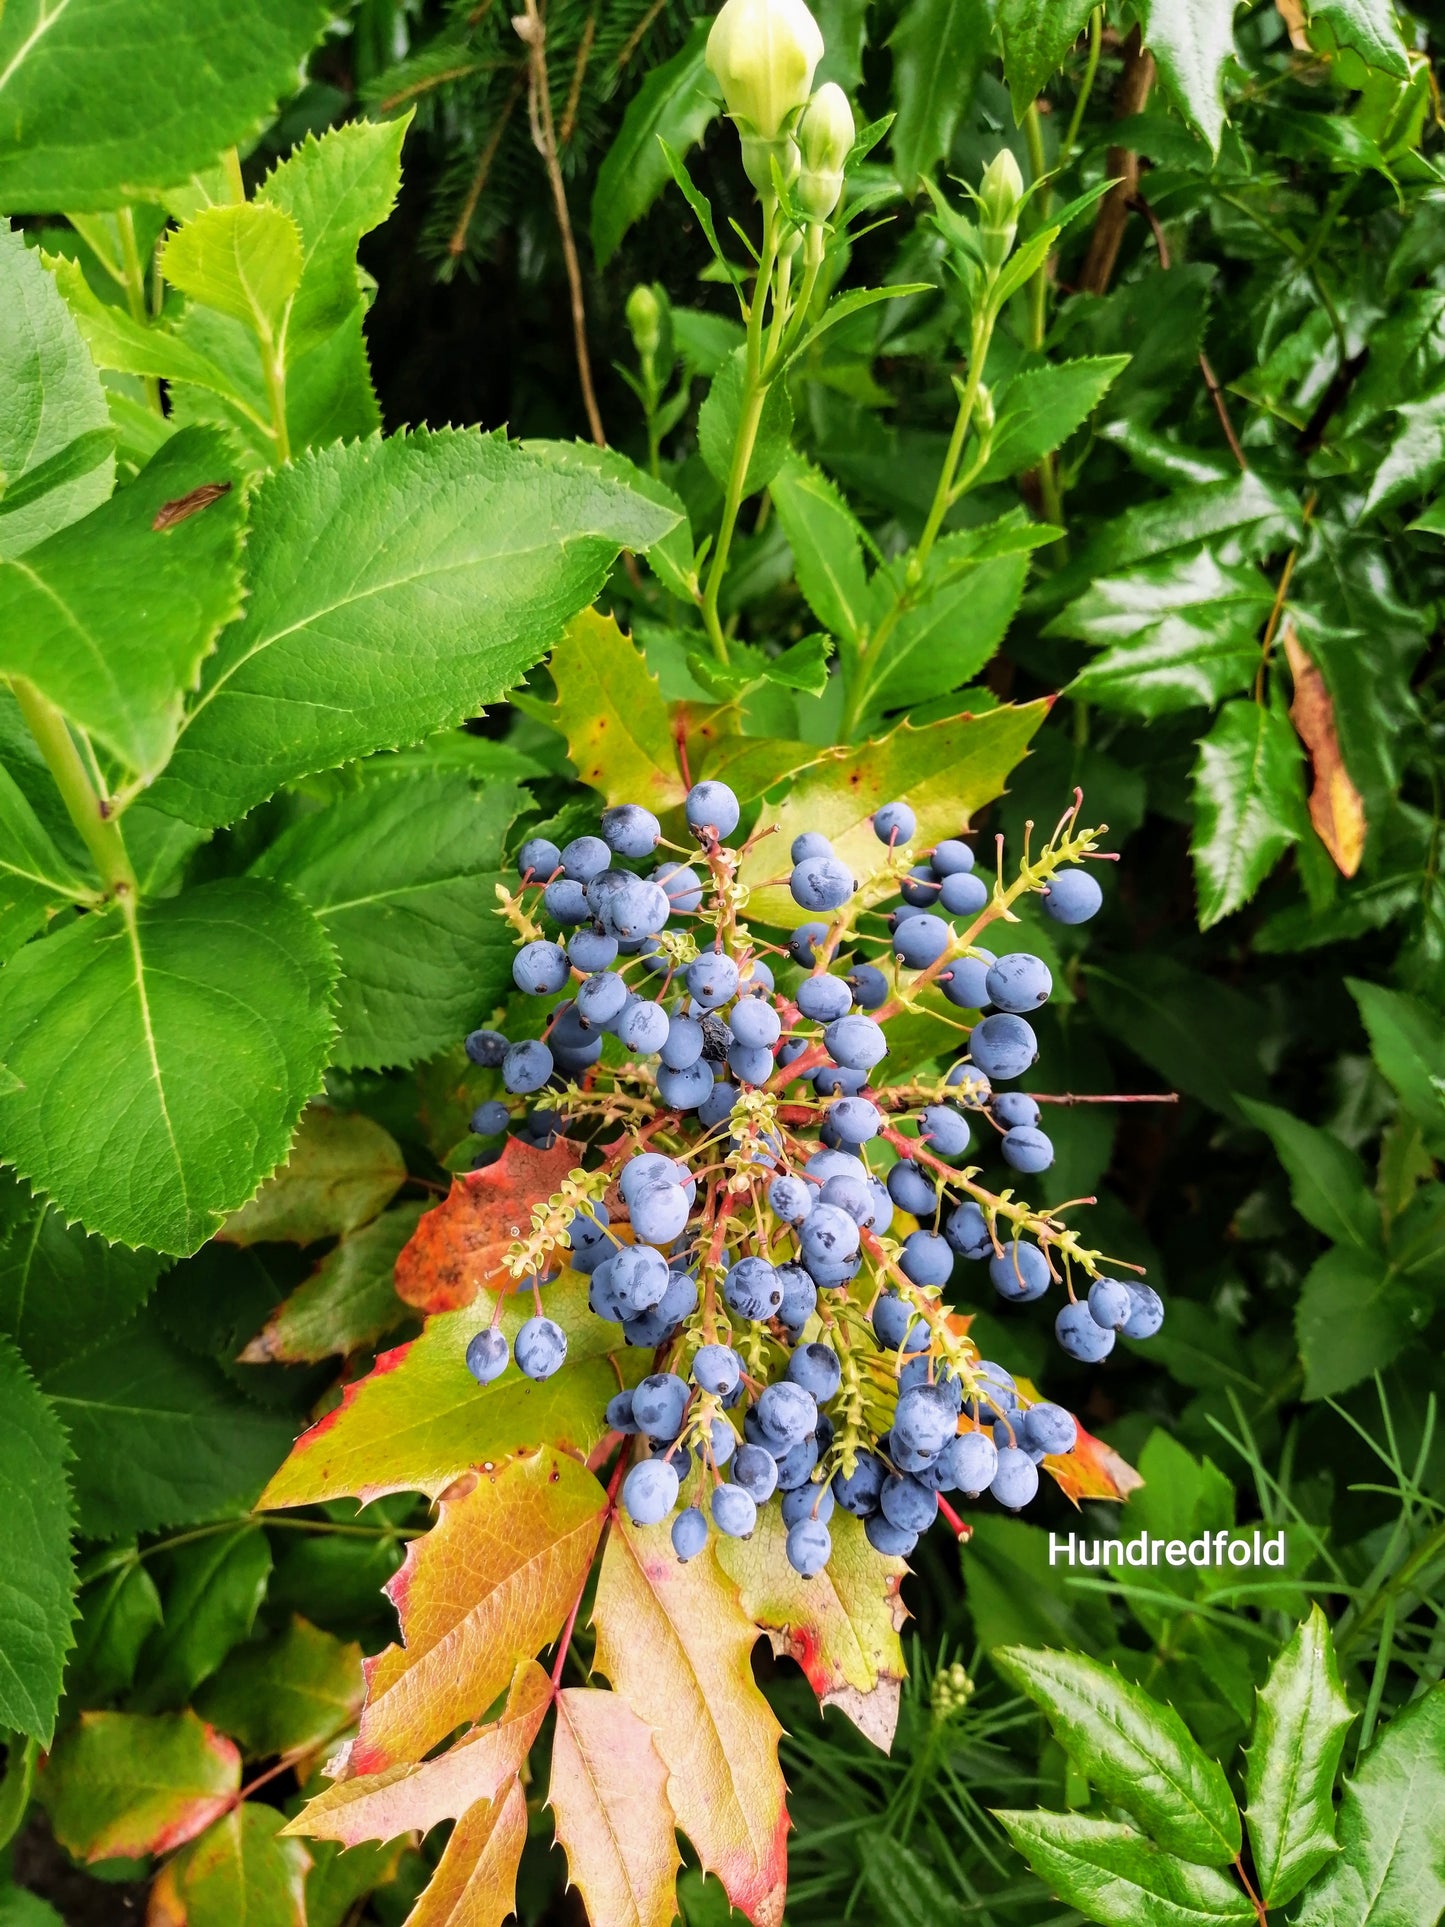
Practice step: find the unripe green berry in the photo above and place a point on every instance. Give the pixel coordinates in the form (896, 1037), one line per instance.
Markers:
(644, 318)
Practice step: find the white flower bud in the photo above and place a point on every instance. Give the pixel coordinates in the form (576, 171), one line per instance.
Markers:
(999, 197)
(764, 54)
(825, 137)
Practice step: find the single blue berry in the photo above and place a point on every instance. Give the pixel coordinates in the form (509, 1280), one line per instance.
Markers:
(687, 1089)
(962, 895)
(855, 1043)
(1028, 1150)
(1003, 1046)
(689, 1533)
(920, 887)
(526, 1066)
(488, 1354)
(734, 1511)
(541, 1347)
(1080, 1337)
(712, 979)
(537, 859)
(716, 1368)
(752, 1290)
(895, 823)
(965, 982)
(926, 1259)
(631, 830)
(540, 968)
(911, 1190)
(712, 806)
(658, 1404)
(966, 1229)
(681, 886)
(790, 1199)
(944, 1130)
(649, 1492)
(487, 1048)
(491, 1118)
(1147, 1314)
(951, 858)
(585, 857)
(1020, 1273)
(756, 1470)
(885, 1537)
(1019, 982)
(1016, 1480)
(1049, 1429)
(921, 940)
(821, 883)
(809, 1546)
(1073, 896)
(815, 1367)
(1013, 1109)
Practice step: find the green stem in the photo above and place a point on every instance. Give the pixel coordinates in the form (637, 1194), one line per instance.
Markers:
(1086, 86)
(236, 186)
(275, 367)
(100, 832)
(750, 414)
(135, 293)
(1038, 291)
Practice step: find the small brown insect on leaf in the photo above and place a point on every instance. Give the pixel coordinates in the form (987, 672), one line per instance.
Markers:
(169, 513)
(1337, 809)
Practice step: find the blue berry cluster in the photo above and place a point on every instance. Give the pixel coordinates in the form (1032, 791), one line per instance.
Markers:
(745, 1228)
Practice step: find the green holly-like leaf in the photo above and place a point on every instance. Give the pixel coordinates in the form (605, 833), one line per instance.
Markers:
(1327, 1180)
(298, 1688)
(1036, 36)
(403, 876)
(827, 544)
(420, 1418)
(343, 1169)
(1119, 1878)
(1390, 1870)
(56, 460)
(945, 771)
(1299, 1732)
(395, 587)
(939, 49)
(676, 103)
(1415, 459)
(37, 1582)
(133, 1783)
(1191, 40)
(161, 1058)
(58, 1287)
(1173, 634)
(86, 123)
(1137, 1752)
(349, 1303)
(68, 609)
(1248, 804)
(160, 1438)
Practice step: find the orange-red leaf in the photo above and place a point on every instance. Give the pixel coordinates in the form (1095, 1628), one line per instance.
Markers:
(841, 1627)
(458, 1248)
(494, 1579)
(131, 1783)
(614, 1820)
(419, 1418)
(675, 1642)
(1337, 809)
(475, 1884)
(1092, 1470)
(414, 1799)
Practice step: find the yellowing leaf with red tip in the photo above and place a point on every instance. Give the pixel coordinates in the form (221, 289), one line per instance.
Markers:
(133, 1783)
(241, 1871)
(614, 1821)
(475, 1884)
(457, 1249)
(611, 711)
(494, 1578)
(841, 1626)
(419, 1419)
(675, 1642)
(414, 1799)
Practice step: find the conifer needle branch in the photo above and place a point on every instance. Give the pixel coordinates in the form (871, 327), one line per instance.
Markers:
(532, 31)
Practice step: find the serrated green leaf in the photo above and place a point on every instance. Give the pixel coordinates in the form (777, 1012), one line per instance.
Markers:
(119, 1610)
(1137, 1752)
(827, 544)
(1174, 633)
(1299, 1733)
(56, 459)
(1248, 804)
(298, 1688)
(131, 1783)
(58, 1287)
(1327, 1180)
(1355, 1314)
(242, 259)
(719, 418)
(944, 771)
(1201, 1035)
(85, 123)
(403, 875)
(676, 104)
(939, 48)
(1408, 1044)
(1415, 459)
(670, 557)
(213, 1591)
(37, 1581)
(1191, 40)
(349, 1303)
(1390, 1871)
(1117, 1877)
(395, 588)
(35, 879)
(611, 714)
(952, 623)
(1036, 35)
(1370, 27)
(160, 1438)
(68, 619)
(163, 1061)
(419, 1419)
(1044, 406)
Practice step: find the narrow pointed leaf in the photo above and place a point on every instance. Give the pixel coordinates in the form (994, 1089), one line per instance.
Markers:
(1191, 40)
(349, 1302)
(1327, 1180)
(608, 1794)
(1137, 1752)
(475, 1884)
(1247, 805)
(1299, 1733)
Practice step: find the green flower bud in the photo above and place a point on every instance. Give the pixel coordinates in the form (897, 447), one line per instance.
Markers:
(999, 199)
(825, 137)
(644, 318)
(763, 54)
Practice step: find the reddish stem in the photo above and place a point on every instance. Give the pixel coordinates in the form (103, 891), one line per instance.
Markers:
(961, 1529)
